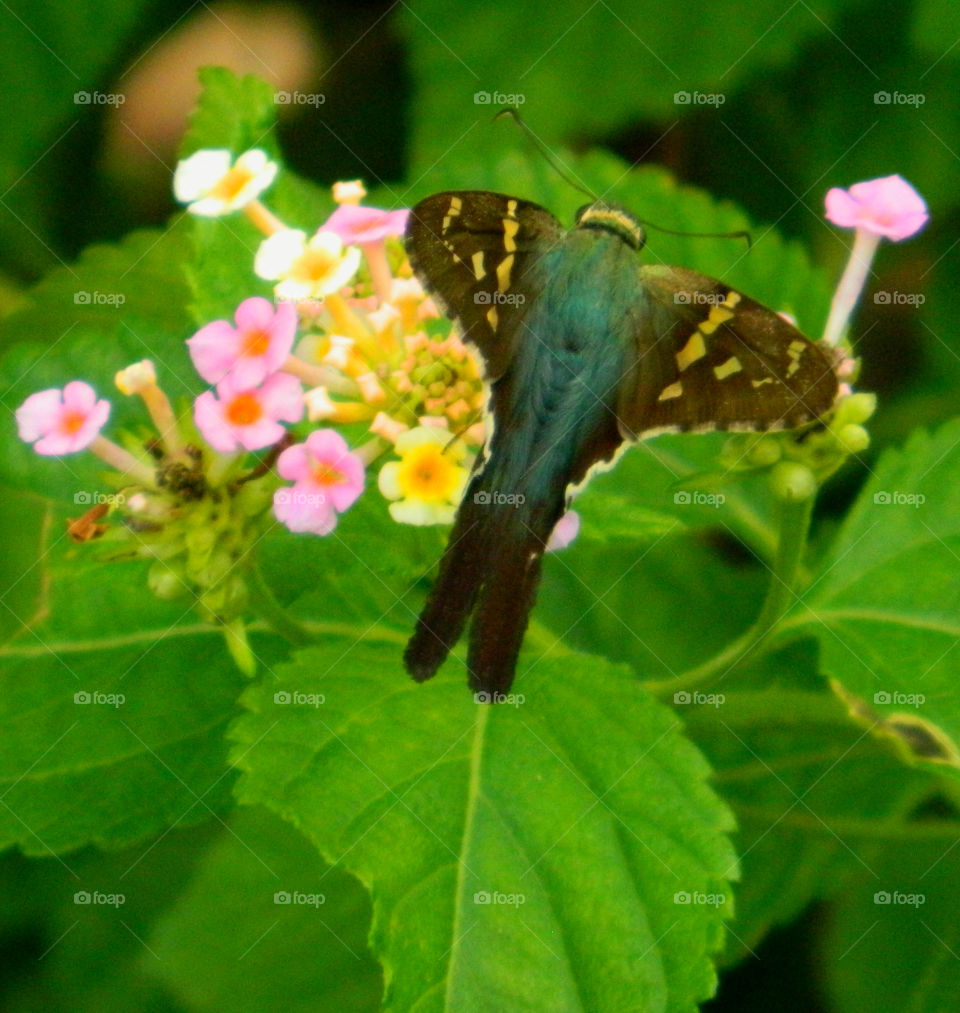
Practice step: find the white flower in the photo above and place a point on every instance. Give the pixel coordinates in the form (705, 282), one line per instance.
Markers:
(211, 184)
(306, 269)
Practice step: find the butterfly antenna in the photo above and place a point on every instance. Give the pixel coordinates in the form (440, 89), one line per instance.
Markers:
(544, 150)
(740, 234)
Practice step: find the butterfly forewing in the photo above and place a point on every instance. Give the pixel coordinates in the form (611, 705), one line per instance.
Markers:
(473, 249)
(709, 357)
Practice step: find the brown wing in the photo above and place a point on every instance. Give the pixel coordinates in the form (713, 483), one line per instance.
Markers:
(709, 357)
(471, 249)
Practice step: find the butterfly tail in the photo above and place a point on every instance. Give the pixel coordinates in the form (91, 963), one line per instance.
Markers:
(462, 571)
(503, 610)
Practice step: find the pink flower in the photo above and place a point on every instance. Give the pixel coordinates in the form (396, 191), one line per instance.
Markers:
(564, 531)
(62, 421)
(888, 207)
(251, 351)
(327, 479)
(356, 225)
(248, 417)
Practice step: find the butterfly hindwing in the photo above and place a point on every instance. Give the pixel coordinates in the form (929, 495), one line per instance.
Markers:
(709, 357)
(472, 249)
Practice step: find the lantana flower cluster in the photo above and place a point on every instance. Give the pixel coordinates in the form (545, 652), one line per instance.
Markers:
(350, 340)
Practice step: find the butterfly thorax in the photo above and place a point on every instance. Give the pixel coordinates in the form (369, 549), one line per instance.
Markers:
(612, 218)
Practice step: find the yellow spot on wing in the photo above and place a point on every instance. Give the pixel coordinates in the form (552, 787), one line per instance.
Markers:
(668, 393)
(717, 316)
(492, 318)
(510, 228)
(694, 349)
(795, 349)
(728, 368)
(478, 269)
(760, 383)
(455, 205)
(732, 299)
(503, 272)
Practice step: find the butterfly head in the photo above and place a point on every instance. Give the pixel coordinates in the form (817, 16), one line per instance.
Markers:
(612, 218)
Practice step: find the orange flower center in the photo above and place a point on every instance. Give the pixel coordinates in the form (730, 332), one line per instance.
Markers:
(244, 410)
(256, 342)
(326, 474)
(228, 187)
(313, 265)
(426, 473)
(72, 422)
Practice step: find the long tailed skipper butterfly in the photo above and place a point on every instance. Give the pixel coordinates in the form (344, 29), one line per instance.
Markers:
(584, 350)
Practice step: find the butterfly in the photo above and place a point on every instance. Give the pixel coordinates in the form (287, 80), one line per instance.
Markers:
(584, 351)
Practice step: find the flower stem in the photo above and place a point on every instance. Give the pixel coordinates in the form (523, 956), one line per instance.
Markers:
(263, 602)
(794, 525)
(376, 256)
(319, 376)
(851, 284)
(265, 221)
(123, 461)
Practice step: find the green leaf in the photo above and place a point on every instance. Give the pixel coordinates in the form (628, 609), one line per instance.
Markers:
(816, 800)
(656, 607)
(885, 606)
(227, 938)
(233, 112)
(112, 710)
(79, 952)
(892, 941)
(520, 857)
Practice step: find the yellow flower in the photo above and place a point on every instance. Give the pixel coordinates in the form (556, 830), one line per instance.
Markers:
(210, 184)
(428, 480)
(306, 269)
